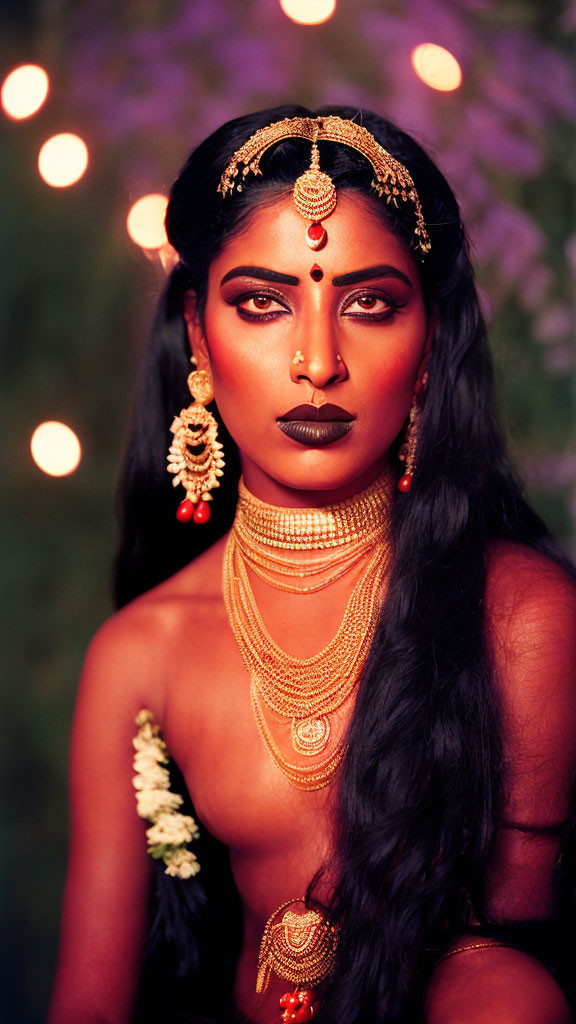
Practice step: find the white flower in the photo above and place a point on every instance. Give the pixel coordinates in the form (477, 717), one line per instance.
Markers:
(144, 761)
(181, 864)
(143, 717)
(155, 802)
(150, 802)
(156, 778)
(172, 829)
(151, 745)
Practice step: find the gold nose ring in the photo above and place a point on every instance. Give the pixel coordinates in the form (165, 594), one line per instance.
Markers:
(298, 357)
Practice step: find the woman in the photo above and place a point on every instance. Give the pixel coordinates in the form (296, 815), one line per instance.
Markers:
(412, 780)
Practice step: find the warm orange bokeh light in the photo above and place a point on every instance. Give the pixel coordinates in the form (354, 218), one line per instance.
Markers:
(55, 448)
(437, 67)
(24, 91)
(145, 222)
(308, 12)
(63, 160)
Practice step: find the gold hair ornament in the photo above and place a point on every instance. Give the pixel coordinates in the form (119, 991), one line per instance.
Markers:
(314, 191)
(170, 831)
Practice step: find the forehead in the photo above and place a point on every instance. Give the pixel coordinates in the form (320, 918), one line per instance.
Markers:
(274, 236)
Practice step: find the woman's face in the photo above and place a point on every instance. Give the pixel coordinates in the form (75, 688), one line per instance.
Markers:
(352, 335)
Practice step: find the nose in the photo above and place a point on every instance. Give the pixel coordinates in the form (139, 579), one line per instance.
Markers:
(317, 359)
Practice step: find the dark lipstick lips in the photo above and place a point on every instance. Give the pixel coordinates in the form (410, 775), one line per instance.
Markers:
(317, 413)
(313, 425)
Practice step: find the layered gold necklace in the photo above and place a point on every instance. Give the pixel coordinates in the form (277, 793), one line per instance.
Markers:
(306, 691)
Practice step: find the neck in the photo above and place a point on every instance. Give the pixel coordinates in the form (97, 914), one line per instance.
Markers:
(274, 492)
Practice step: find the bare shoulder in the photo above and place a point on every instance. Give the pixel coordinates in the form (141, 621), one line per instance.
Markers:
(132, 651)
(531, 631)
(530, 600)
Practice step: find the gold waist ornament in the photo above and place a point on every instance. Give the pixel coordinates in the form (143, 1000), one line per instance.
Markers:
(306, 691)
(297, 947)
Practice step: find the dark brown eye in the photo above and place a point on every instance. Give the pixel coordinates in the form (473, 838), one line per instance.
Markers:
(262, 301)
(367, 301)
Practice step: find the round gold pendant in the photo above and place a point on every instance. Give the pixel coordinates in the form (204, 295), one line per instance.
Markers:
(314, 195)
(310, 735)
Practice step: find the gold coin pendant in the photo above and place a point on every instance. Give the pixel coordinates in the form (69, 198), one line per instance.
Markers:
(310, 735)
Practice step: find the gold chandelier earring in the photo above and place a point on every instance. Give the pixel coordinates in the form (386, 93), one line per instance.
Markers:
(195, 454)
(407, 452)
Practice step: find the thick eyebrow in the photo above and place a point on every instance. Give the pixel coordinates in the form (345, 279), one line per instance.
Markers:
(261, 273)
(369, 273)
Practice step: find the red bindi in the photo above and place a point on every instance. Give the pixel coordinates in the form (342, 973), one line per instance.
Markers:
(316, 273)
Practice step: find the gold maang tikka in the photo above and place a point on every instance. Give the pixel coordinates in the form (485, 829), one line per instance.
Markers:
(314, 191)
(195, 454)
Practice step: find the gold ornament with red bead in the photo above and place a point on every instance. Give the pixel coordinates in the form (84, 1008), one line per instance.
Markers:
(195, 454)
(299, 1006)
(407, 451)
(314, 191)
(315, 199)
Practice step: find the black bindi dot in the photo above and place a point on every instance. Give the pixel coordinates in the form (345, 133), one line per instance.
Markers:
(316, 273)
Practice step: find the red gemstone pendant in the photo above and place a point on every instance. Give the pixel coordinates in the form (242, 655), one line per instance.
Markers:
(298, 1006)
(185, 511)
(404, 483)
(201, 512)
(316, 236)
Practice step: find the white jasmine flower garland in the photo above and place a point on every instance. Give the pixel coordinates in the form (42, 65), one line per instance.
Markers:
(170, 830)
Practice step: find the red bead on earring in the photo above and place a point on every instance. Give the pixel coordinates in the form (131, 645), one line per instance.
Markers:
(185, 511)
(201, 512)
(198, 511)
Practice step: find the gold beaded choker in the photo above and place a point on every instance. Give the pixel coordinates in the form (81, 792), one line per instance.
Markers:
(293, 698)
(308, 529)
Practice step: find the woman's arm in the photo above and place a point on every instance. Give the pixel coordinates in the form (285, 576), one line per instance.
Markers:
(106, 901)
(531, 622)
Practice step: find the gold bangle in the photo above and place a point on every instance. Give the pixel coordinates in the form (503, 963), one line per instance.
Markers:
(476, 945)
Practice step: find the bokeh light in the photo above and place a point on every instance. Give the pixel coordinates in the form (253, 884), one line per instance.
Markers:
(24, 91)
(437, 67)
(63, 160)
(145, 222)
(308, 12)
(55, 448)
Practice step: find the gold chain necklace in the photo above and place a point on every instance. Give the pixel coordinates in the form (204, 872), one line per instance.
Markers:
(307, 691)
(331, 567)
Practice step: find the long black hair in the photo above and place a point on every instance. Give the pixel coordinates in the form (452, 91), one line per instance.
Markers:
(421, 789)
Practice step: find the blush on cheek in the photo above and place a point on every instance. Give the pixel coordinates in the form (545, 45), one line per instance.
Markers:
(396, 385)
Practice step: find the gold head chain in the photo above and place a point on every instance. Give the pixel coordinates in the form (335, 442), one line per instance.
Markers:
(314, 191)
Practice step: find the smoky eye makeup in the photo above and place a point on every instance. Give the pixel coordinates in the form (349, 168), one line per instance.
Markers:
(373, 305)
(257, 304)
